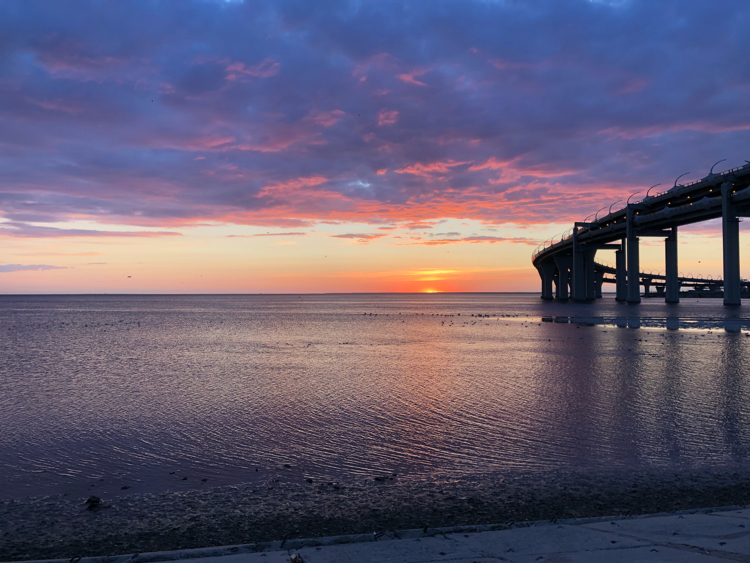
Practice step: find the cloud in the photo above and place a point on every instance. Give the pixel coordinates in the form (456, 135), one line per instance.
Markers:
(265, 68)
(289, 114)
(386, 117)
(476, 239)
(33, 231)
(294, 234)
(410, 77)
(361, 237)
(31, 267)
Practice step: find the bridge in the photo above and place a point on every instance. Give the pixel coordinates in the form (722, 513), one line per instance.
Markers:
(568, 261)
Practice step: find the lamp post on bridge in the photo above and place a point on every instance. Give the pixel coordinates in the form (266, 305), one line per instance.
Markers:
(651, 188)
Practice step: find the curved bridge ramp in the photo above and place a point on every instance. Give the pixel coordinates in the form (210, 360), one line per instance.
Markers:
(567, 265)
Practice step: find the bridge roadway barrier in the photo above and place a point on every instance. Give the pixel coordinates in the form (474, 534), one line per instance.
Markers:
(568, 267)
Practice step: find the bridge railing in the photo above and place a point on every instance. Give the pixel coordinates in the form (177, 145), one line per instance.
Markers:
(551, 242)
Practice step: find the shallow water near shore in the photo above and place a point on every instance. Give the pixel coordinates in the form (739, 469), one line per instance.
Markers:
(147, 394)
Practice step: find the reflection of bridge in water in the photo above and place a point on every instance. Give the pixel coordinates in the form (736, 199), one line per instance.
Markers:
(569, 263)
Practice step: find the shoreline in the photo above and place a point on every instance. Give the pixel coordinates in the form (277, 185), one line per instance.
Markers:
(58, 527)
(298, 544)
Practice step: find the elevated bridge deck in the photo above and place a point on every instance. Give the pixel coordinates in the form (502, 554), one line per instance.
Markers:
(569, 262)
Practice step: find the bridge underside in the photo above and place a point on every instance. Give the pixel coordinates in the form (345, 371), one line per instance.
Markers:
(557, 285)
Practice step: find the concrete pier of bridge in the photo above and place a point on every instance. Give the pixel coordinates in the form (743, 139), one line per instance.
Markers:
(730, 227)
(563, 264)
(621, 274)
(632, 258)
(672, 289)
(547, 273)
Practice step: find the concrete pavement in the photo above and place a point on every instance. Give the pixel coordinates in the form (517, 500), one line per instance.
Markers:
(718, 535)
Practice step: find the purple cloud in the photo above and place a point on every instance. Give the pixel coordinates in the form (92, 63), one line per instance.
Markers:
(33, 231)
(32, 267)
(288, 113)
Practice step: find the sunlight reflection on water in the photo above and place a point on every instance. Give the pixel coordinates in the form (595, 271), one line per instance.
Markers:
(230, 388)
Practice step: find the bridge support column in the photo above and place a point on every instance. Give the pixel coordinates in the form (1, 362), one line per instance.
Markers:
(563, 275)
(621, 274)
(590, 272)
(634, 282)
(646, 287)
(578, 270)
(556, 279)
(599, 284)
(672, 275)
(730, 224)
(547, 273)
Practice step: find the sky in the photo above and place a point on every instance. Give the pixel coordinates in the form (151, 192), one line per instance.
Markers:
(218, 146)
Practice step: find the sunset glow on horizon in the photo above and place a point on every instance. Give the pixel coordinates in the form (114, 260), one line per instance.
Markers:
(215, 146)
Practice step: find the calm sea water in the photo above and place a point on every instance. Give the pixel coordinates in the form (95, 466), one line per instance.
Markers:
(159, 392)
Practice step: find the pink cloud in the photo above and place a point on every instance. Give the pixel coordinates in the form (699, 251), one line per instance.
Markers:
(428, 170)
(324, 118)
(359, 236)
(386, 117)
(292, 186)
(294, 234)
(410, 77)
(477, 239)
(279, 138)
(265, 68)
(492, 164)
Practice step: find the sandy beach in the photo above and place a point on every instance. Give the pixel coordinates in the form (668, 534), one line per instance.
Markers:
(63, 527)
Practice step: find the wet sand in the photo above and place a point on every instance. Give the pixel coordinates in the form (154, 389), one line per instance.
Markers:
(63, 527)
